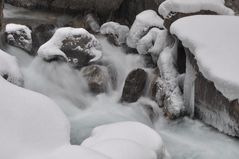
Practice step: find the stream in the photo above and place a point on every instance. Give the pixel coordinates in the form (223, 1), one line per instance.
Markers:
(184, 138)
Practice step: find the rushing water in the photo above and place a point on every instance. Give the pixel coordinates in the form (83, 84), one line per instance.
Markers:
(184, 138)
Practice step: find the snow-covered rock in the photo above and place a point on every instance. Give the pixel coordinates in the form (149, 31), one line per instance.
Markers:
(75, 45)
(19, 36)
(118, 33)
(214, 42)
(153, 43)
(126, 138)
(143, 22)
(192, 6)
(168, 92)
(9, 69)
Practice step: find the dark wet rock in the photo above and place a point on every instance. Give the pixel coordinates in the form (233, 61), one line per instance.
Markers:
(234, 4)
(172, 17)
(134, 86)
(97, 77)
(19, 36)
(41, 34)
(78, 57)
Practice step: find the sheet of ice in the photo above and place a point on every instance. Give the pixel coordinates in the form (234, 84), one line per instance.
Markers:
(128, 131)
(214, 42)
(9, 68)
(143, 22)
(53, 46)
(192, 6)
(120, 31)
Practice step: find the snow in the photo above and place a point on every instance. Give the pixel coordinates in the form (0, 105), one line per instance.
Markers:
(19, 35)
(192, 6)
(143, 22)
(169, 92)
(53, 46)
(13, 28)
(9, 67)
(130, 134)
(214, 42)
(153, 43)
(120, 31)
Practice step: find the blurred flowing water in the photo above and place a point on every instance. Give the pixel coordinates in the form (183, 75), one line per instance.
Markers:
(184, 138)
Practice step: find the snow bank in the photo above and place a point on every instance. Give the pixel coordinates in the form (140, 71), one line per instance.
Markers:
(9, 69)
(143, 22)
(192, 6)
(52, 48)
(117, 30)
(130, 136)
(214, 42)
(19, 35)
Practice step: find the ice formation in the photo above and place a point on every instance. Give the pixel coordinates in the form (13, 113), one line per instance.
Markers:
(143, 22)
(192, 6)
(117, 30)
(169, 92)
(213, 40)
(153, 43)
(52, 48)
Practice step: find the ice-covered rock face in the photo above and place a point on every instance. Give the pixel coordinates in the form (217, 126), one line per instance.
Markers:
(143, 22)
(9, 69)
(116, 33)
(19, 36)
(75, 45)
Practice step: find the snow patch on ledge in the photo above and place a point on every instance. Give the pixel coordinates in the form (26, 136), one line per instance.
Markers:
(214, 42)
(192, 6)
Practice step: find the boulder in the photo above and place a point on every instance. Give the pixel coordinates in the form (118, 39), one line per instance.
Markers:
(19, 36)
(75, 45)
(97, 78)
(134, 86)
(115, 32)
(41, 34)
(172, 17)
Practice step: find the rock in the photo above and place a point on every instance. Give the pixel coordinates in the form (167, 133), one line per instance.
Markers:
(90, 22)
(172, 17)
(97, 78)
(130, 8)
(75, 45)
(41, 34)
(234, 4)
(134, 86)
(19, 36)
(101, 7)
(115, 32)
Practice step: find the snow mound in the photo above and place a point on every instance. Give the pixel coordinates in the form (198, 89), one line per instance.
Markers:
(143, 22)
(52, 48)
(9, 69)
(117, 30)
(133, 134)
(19, 36)
(214, 42)
(192, 6)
